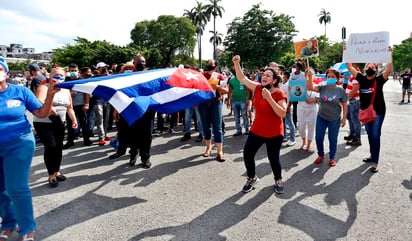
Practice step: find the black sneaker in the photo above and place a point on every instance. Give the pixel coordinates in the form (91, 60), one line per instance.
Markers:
(349, 138)
(186, 137)
(199, 138)
(68, 145)
(132, 160)
(279, 189)
(146, 164)
(250, 183)
(237, 134)
(354, 142)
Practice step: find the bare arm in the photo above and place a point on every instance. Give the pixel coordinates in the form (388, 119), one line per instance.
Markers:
(279, 107)
(344, 113)
(389, 66)
(47, 102)
(240, 76)
(71, 114)
(352, 69)
(309, 83)
(387, 70)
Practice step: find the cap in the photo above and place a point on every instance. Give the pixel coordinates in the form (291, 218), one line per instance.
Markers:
(3, 63)
(101, 65)
(44, 65)
(33, 67)
(127, 65)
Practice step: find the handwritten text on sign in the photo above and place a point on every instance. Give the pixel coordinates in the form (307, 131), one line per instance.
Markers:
(367, 48)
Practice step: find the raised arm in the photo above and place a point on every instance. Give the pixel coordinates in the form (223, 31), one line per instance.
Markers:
(241, 76)
(353, 71)
(309, 81)
(388, 68)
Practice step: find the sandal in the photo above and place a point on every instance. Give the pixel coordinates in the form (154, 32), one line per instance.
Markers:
(374, 169)
(220, 157)
(28, 237)
(4, 234)
(207, 153)
(310, 150)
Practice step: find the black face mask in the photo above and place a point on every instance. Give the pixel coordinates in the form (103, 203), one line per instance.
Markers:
(268, 86)
(140, 67)
(370, 72)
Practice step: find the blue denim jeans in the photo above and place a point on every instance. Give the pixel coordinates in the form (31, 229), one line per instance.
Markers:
(211, 115)
(16, 207)
(373, 129)
(188, 119)
(240, 108)
(354, 123)
(333, 132)
(288, 121)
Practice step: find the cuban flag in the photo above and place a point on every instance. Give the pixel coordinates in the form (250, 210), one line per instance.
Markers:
(165, 90)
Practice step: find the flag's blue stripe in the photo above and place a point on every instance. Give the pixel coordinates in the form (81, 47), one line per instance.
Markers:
(182, 103)
(147, 88)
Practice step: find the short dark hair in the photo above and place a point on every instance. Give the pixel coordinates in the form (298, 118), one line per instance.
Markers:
(73, 65)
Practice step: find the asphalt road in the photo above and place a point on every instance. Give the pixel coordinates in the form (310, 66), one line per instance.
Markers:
(185, 196)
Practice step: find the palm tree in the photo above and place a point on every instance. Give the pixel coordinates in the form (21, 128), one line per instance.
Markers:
(199, 18)
(216, 39)
(324, 17)
(214, 9)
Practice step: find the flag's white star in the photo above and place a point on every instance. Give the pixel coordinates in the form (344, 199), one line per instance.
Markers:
(189, 75)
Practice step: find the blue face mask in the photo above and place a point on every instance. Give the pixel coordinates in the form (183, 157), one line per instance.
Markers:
(58, 78)
(127, 71)
(73, 74)
(330, 81)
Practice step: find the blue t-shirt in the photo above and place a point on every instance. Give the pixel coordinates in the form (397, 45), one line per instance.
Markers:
(14, 101)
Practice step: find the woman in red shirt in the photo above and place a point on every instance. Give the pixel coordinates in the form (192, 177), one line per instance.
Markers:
(269, 102)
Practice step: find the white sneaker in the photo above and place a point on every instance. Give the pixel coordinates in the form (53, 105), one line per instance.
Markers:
(291, 143)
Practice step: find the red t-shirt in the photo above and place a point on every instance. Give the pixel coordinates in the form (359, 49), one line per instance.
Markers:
(266, 122)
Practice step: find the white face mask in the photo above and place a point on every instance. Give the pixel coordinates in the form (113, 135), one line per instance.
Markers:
(3, 76)
(293, 70)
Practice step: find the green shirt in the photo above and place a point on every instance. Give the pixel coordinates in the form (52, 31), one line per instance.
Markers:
(239, 92)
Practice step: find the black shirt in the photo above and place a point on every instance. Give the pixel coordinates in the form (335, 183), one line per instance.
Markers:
(366, 90)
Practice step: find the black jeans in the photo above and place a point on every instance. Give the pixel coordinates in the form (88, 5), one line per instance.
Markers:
(82, 119)
(273, 145)
(51, 135)
(138, 136)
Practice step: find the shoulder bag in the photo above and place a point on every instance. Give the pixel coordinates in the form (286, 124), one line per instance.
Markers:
(369, 114)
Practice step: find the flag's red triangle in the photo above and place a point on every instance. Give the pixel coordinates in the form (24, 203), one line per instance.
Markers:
(188, 78)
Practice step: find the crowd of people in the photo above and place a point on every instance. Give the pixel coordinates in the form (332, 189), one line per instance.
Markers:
(265, 93)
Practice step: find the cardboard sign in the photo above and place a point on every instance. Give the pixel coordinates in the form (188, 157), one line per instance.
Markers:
(367, 48)
(297, 90)
(306, 49)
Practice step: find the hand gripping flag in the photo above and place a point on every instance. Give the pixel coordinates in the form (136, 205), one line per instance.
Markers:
(165, 90)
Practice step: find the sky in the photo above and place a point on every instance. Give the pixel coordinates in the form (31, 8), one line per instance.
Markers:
(49, 24)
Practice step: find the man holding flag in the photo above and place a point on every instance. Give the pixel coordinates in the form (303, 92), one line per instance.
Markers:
(138, 135)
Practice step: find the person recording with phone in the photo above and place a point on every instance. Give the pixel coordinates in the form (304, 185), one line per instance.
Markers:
(51, 129)
(17, 146)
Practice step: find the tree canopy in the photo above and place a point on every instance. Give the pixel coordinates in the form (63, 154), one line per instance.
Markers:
(260, 36)
(168, 35)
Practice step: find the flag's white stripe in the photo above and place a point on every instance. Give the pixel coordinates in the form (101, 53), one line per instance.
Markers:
(172, 94)
(85, 88)
(120, 101)
(121, 82)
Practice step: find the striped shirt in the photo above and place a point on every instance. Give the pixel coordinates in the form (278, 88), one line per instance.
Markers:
(349, 88)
